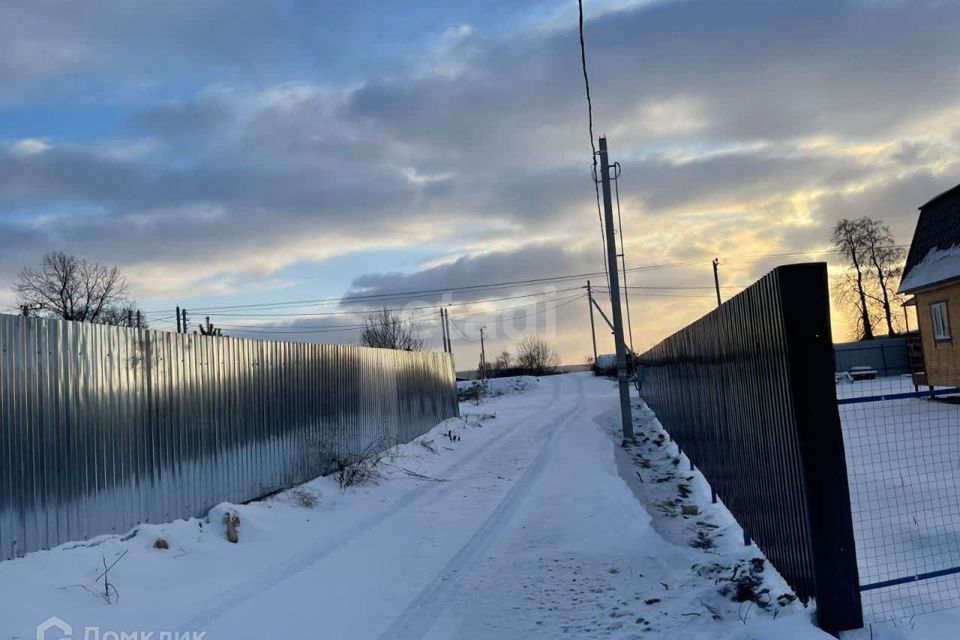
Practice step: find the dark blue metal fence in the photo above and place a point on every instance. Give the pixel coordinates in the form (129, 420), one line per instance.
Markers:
(748, 393)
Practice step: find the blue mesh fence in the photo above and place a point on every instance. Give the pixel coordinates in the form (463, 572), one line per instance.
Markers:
(902, 447)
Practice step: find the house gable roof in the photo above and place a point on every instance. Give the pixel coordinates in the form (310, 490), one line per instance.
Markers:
(934, 255)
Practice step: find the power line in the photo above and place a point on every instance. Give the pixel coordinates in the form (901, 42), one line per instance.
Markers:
(405, 294)
(158, 315)
(398, 309)
(792, 254)
(661, 295)
(427, 318)
(593, 146)
(565, 302)
(561, 302)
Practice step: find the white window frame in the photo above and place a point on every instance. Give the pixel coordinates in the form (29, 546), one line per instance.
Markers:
(940, 315)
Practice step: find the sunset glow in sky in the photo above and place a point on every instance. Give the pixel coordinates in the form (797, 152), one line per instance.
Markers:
(225, 152)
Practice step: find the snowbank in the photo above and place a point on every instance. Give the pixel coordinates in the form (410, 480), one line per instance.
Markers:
(496, 387)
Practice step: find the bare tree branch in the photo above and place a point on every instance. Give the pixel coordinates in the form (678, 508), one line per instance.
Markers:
(537, 355)
(73, 288)
(385, 329)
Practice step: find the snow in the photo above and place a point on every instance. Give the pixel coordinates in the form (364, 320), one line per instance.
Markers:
(902, 468)
(938, 265)
(501, 386)
(524, 518)
(876, 387)
(606, 361)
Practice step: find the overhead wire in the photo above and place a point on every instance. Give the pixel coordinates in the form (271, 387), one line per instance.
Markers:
(427, 318)
(397, 309)
(593, 146)
(165, 315)
(422, 292)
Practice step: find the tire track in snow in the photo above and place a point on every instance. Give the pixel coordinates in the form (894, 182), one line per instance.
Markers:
(421, 614)
(233, 598)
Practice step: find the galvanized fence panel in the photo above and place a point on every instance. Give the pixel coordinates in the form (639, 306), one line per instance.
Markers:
(103, 428)
(747, 392)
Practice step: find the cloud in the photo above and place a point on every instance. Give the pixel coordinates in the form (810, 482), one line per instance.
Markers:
(263, 141)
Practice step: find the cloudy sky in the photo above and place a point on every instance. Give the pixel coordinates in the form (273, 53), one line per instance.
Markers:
(227, 153)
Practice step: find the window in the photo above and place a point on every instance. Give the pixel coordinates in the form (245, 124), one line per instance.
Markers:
(941, 321)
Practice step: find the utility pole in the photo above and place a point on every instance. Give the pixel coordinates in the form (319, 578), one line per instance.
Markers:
(178, 320)
(593, 330)
(25, 309)
(626, 412)
(443, 330)
(716, 279)
(183, 314)
(483, 357)
(446, 323)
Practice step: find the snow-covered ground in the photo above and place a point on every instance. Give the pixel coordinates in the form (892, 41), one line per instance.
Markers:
(494, 387)
(522, 519)
(903, 465)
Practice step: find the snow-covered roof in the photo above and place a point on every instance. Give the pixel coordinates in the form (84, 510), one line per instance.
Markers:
(939, 265)
(933, 256)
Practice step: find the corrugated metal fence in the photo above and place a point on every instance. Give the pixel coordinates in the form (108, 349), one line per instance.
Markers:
(747, 391)
(888, 356)
(103, 428)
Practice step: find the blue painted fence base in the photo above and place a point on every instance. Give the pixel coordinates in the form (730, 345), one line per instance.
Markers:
(908, 579)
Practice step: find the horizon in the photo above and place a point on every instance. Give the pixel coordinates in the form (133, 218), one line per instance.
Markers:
(308, 153)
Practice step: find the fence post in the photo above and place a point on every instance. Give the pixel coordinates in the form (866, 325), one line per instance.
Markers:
(806, 317)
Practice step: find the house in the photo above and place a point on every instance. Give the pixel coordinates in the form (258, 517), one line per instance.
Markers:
(932, 276)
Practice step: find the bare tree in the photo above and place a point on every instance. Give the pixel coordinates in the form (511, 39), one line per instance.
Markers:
(385, 329)
(874, 265)
(848, 239)
(537, 355)
(502, 361)
(886, 266)
(125, 315)
(74, 288)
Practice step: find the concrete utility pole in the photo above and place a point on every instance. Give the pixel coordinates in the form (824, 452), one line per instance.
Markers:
(178, 320)
(446, 323)
(716, 279)
(483, 357)
(593, 330)
(626, 412)
(443, 330)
